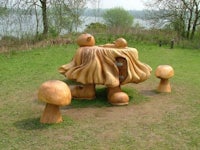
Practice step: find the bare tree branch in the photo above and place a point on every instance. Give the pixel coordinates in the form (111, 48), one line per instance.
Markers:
(184, 15)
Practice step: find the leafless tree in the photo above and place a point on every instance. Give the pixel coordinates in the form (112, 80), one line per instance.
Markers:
(184, 15)
(66, 14)
(76, 8)
(34, 4)
(96, 6)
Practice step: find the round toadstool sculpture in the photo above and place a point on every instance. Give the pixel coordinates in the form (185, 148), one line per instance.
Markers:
(164, 72)
(55, 93)
(85, 40)
(120, 43)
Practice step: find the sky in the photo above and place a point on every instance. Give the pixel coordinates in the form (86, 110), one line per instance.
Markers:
(126, 4)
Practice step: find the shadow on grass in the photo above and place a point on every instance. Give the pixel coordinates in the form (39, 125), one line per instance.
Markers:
(101, 100)
(31, 124)
(34, 124)
(135, 97)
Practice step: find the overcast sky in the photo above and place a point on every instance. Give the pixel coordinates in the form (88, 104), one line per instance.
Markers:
(126, 4)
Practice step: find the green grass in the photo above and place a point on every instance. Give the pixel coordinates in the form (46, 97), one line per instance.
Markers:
(151, 121)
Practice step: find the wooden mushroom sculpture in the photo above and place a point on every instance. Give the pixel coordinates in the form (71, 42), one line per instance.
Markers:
(117, 97)
(55, 93)
(164, 72)
(85, 40)
(112, 65)
(120, 43)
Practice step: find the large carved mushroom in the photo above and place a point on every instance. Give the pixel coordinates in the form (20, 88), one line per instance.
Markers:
(55, 93)
(164, 72)
(112, 65)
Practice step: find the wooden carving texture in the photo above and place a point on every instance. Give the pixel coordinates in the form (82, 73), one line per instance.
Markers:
(98, 65)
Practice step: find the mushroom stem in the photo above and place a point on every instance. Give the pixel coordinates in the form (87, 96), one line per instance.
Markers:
(86, 91)
(164, 86)
(51, 114)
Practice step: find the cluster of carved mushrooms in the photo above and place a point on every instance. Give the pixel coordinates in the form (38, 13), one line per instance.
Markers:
(112, 65)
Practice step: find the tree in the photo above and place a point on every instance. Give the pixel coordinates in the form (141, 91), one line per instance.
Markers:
(118, 18)
(44, 16)
(58, 17)
(3, 7)
(66, 13)
(33, 4)
(2, 10)
(96, 7)
(96, 28)
(49, 17)
(76, 10)
(183, 15)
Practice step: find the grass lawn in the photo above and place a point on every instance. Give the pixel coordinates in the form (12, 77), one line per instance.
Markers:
(151, 120)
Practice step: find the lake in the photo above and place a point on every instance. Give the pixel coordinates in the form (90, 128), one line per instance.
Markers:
(13, 25)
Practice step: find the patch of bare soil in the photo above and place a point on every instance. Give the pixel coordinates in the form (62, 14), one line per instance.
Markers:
(115, 116)
(154, 108)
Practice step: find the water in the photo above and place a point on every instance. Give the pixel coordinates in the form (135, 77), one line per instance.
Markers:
(18, 26)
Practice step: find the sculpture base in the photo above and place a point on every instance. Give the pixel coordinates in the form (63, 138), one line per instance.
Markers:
(83, 91)
(117, 97)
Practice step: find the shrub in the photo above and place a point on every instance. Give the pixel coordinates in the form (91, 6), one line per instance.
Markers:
(118, 19)
(96, 28)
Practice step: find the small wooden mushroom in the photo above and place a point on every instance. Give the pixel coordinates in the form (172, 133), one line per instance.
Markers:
(55, 93)
(117, 97)
(164, 72)
(85, 40)
(120, 43)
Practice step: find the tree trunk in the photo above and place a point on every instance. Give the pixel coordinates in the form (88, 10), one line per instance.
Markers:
(44, 17)
(195, 23)
(193, 29)
(37, 21)
(189, 25)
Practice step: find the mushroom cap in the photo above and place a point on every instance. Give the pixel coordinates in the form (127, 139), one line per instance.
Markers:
(121, 43)
(164, 72)
(55, 92)
(85, 40)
